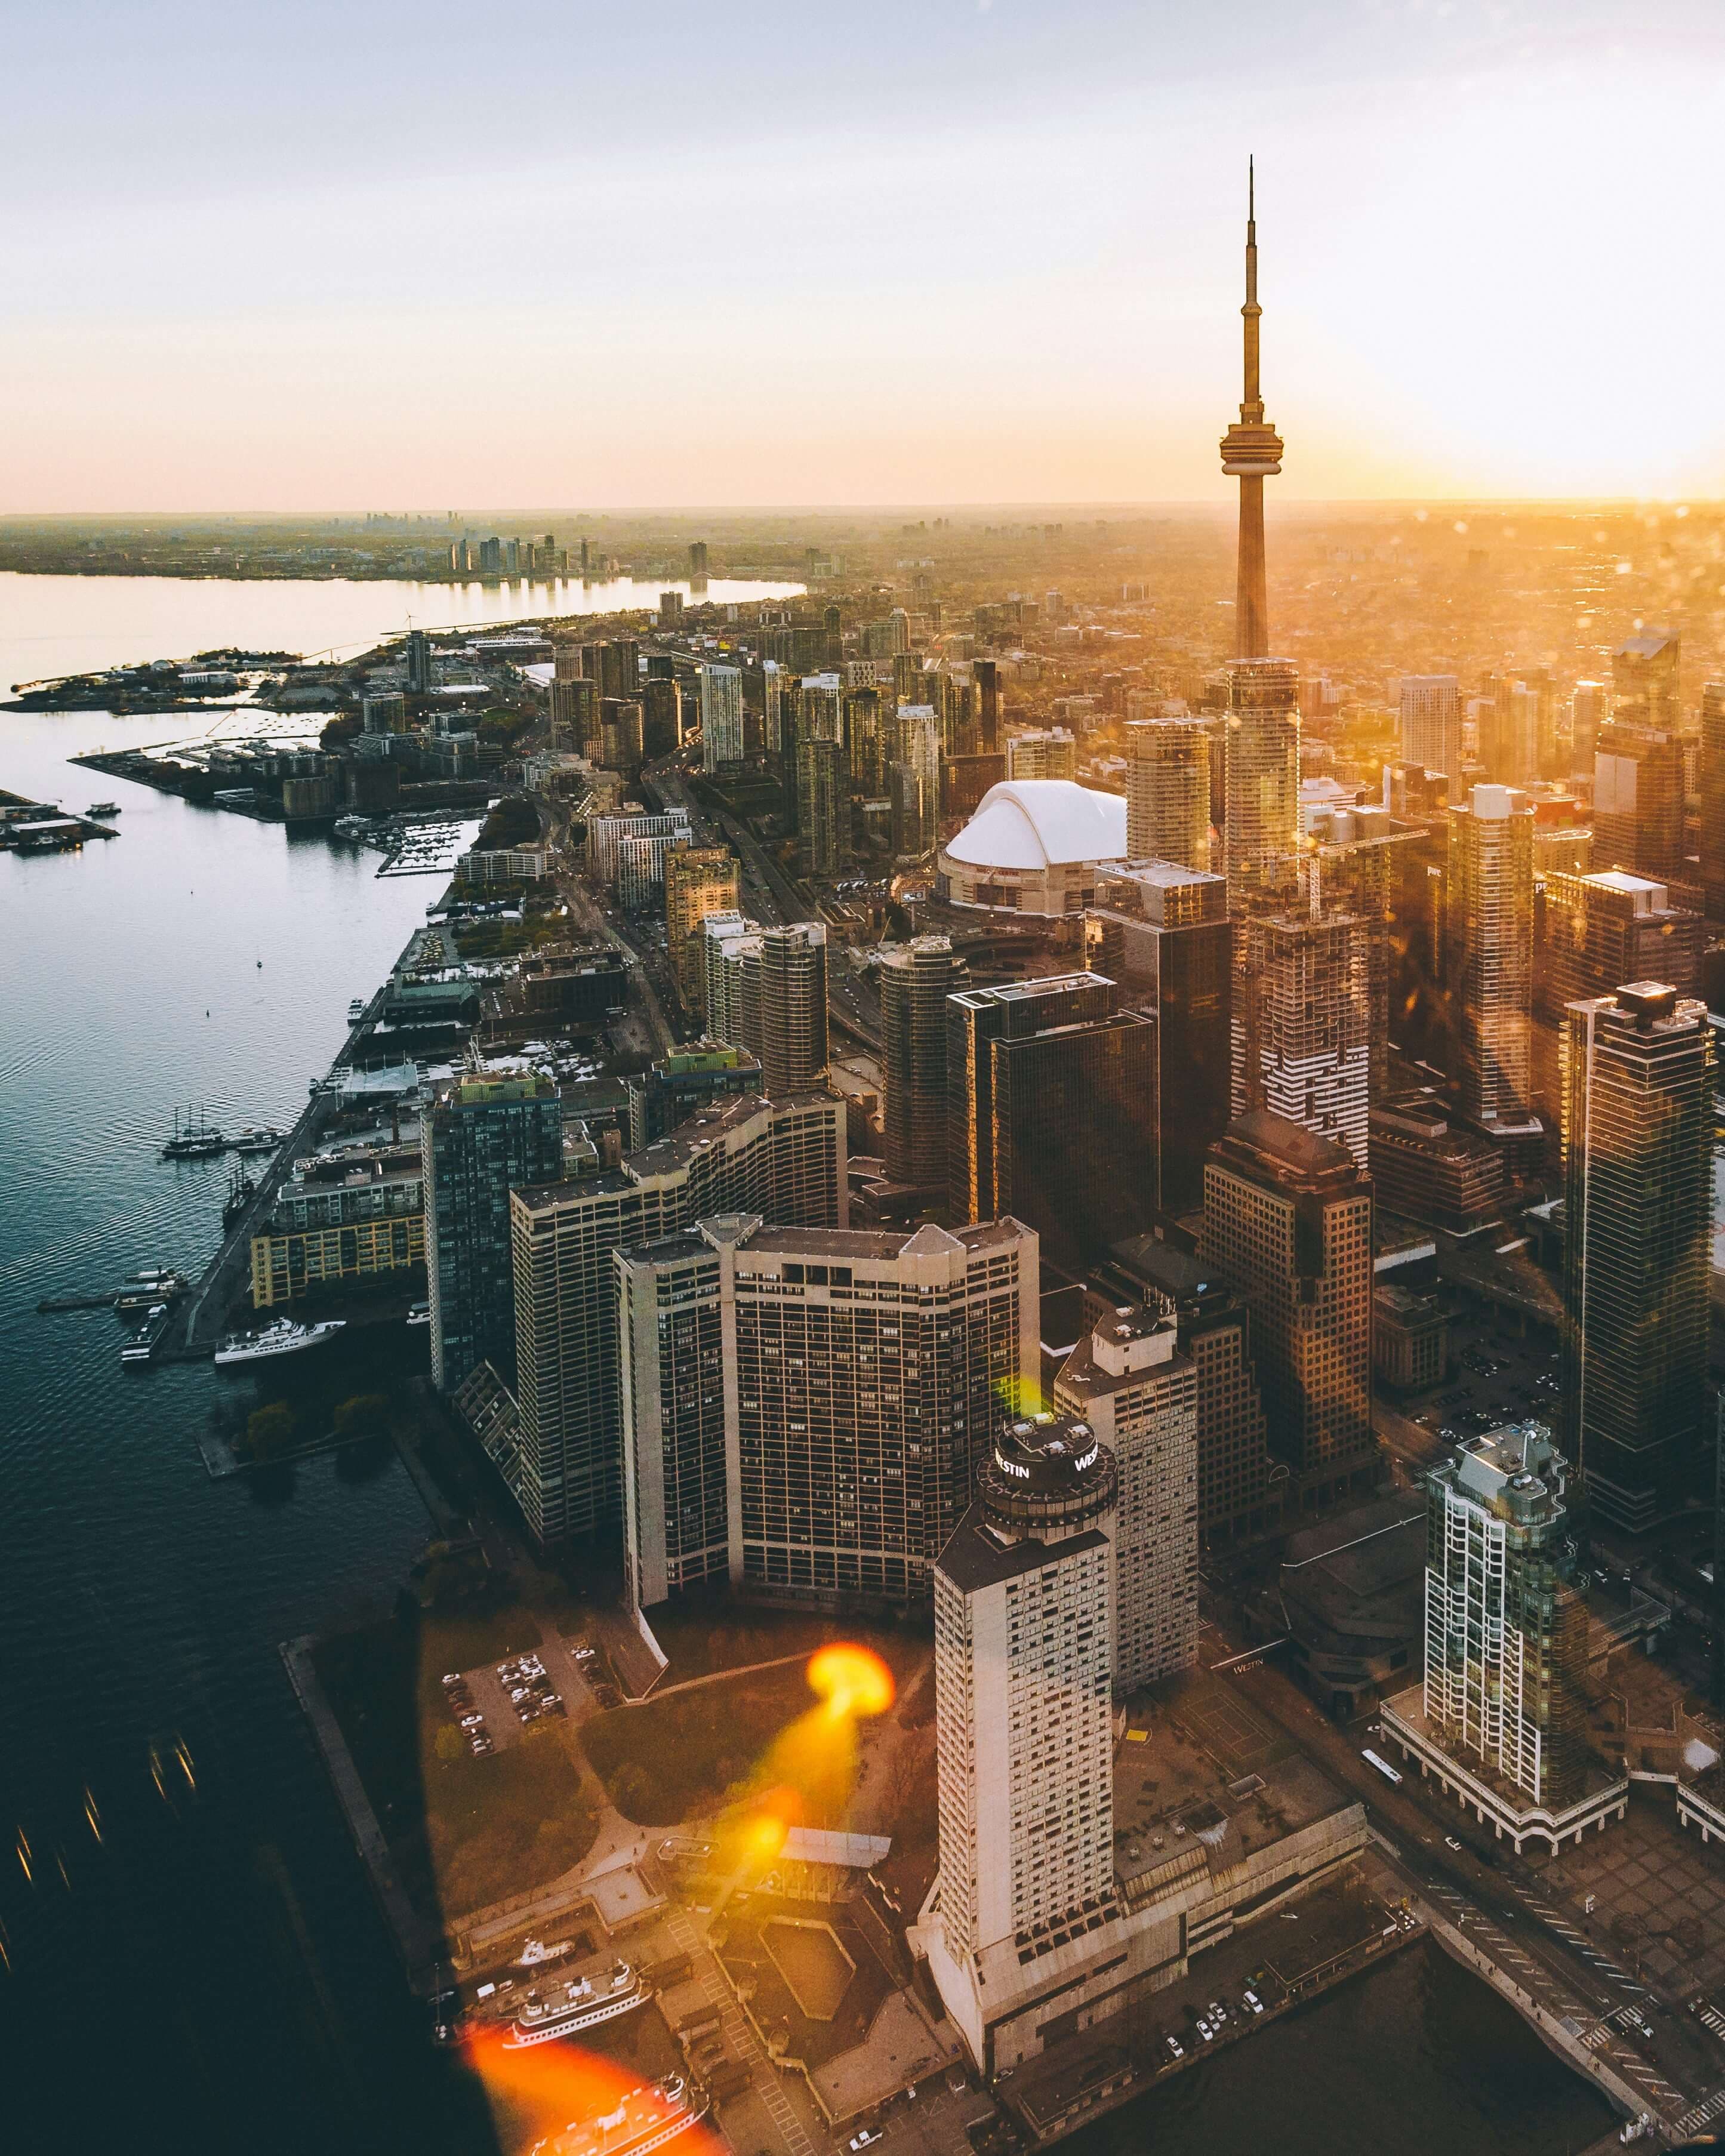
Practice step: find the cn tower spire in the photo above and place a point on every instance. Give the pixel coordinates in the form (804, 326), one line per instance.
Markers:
(1251, 452)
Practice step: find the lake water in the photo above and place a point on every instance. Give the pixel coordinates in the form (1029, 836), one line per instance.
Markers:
(212, 1978)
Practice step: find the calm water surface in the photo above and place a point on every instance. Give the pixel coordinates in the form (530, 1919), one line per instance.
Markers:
(212, 1976)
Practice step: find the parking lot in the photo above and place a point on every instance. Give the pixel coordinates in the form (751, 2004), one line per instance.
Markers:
(492, 1705)
(1497, 1377)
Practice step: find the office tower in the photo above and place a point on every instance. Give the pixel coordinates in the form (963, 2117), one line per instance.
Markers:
(1638, 1102)
(481, 1138)
(785, 1006)
(698, 880)
(1638, 799)
(679, 1084)
(719, 937)
(661, 716)
(1590, 706)
(914, 780)
(1024, 1685)
(803, 1407)
(823, 806)
(419, 663)
(1431, 724)
(1128, 1380)
(987, 682)
(832, 622)
(567, 662)
(784, 1159)
(1044, 752)
(1425, 1169)
(1052, 1112)
(1168, 792)
(697, 558)
(915, 979)
(1260, 838)
(1251, 452)
(1488, 943)
(384, 714)
(1644, 678)
(615, 666)
(720, 717)
(1712, 799)
(1287, 1222)
(1303, 1023)
(910, 677)
(1599, 930)
(1166, 938)
(1241, 1486)
(1506, 1625)
(585, 556)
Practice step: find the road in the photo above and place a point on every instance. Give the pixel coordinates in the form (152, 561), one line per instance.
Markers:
(1540, 1945)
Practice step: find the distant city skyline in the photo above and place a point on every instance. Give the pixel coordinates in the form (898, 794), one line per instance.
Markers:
(956, 254)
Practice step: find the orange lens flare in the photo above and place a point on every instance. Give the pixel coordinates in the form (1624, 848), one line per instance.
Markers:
(852, 1680)
(557, 2089)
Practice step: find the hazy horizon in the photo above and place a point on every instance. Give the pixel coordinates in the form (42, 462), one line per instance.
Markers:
(976, 253)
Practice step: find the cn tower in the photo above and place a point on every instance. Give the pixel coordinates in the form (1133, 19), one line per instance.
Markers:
(1251, 452)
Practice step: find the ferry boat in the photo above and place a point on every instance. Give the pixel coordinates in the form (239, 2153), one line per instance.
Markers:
(140, 1346)
(100, 808)
(198, 1141)
(646, 2118)
(563, 2009)
(258, 1137)
(283, 1337)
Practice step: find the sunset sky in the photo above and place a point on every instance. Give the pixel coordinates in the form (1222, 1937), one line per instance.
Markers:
(375, 255)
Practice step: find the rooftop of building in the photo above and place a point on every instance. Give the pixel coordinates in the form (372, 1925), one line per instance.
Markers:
(974, 1558)
(1289, 1145)
(1364, 1569)
(1515, 1472)
(1041, 823)
(1120, 1349)
(673, 1153)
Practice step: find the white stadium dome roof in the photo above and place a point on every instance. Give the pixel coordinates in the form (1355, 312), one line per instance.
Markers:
(1042, 823)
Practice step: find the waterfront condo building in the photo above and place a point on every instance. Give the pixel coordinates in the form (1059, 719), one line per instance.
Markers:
(1024, 1707)
(802, 1408)
(1167, 791)
(721, 740)
(1712, 799)
(1502, 1718)
(1052, 1112)
(699, 880)
(767, 991)
(1638, 1148)
(784, 1159)
(480, 1139)
(916, 980)
(1288, 1225)
(1129, 1381)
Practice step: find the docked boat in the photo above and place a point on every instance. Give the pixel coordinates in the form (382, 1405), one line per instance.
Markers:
(646, 2118)
(197, 1140)
(258, 1137)
(419, 1313)
(141, 1345)
(100, 809)
(143, 1290)
(241, 1188)
(564, 2009)
(357, 1010)
(283, 1337)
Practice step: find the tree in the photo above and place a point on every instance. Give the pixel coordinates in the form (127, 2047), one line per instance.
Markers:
(364, 1412)
(269, 1431)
